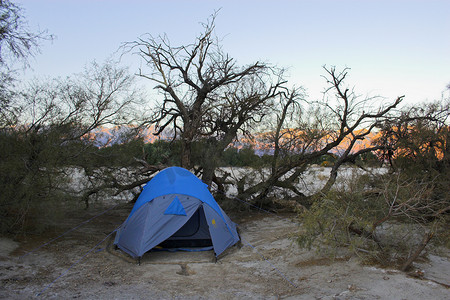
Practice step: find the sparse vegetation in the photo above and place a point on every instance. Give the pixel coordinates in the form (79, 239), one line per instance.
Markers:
(392, 217)
(52, 132)
(209, 105)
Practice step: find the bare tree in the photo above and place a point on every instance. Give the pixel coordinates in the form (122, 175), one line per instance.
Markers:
(101, 95)
(54, 132)
(331, 127)
(391, 216)
(17, 44)
(206, 94)
(16, 41)
(418, 133)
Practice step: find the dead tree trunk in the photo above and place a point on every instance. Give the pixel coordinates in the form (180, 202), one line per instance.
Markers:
(426, 238)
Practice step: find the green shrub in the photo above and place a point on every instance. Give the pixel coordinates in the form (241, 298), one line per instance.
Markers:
(382, 218)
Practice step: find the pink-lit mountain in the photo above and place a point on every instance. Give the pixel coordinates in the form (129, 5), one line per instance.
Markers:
(107, 136)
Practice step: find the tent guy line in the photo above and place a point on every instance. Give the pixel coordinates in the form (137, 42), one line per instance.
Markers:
(176, 210)
(111, 208)
(104, 239)
(167, 181)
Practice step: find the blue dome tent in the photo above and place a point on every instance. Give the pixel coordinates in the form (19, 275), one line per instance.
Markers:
(176, 209)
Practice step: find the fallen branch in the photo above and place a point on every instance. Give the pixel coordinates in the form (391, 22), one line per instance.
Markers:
(426, 238)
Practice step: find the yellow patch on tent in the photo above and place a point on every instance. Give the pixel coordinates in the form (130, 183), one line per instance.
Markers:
(213, 221)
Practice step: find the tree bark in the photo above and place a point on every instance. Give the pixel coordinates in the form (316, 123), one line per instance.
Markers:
(186, 154)
(426, 238)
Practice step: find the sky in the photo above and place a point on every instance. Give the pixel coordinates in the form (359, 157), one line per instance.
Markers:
(392, 47)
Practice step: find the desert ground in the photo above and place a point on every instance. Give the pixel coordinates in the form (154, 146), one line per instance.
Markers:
(267, 265)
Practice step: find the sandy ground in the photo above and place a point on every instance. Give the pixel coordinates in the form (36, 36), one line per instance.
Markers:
(242, 273)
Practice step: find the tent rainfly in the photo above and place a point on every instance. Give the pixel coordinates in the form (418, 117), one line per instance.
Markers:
(176, 210)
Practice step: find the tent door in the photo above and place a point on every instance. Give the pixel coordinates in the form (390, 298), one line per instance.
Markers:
(194, 233)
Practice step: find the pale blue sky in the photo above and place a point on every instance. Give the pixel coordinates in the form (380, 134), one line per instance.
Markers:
(392, 47)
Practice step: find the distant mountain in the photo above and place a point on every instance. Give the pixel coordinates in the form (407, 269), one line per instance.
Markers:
(108, 136)
(261, 143)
